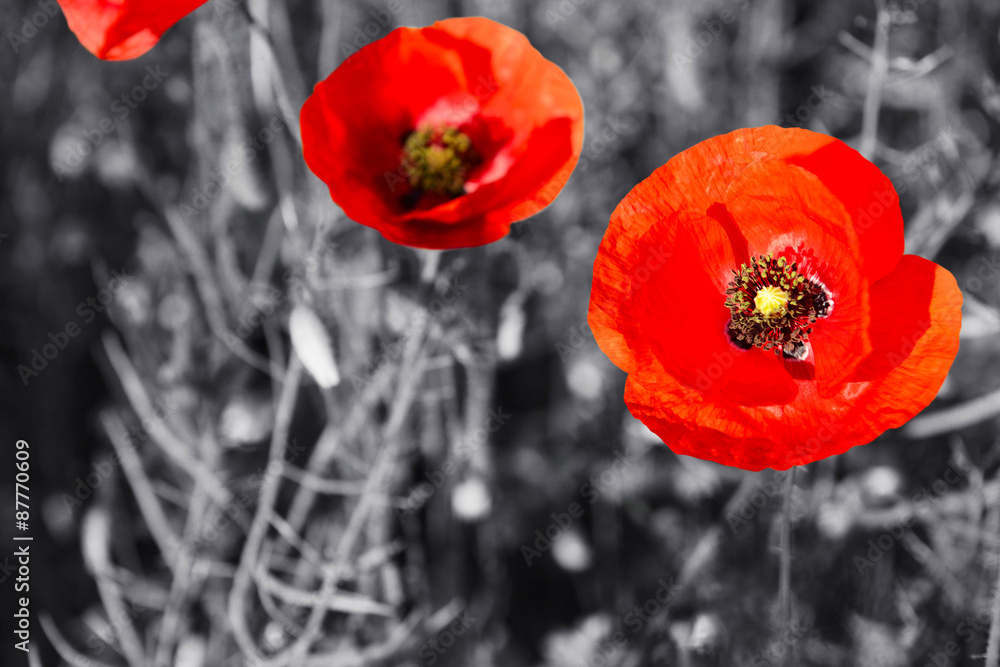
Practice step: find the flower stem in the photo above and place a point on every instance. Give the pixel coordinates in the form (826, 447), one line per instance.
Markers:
(430, 260)
(873, 95)
(785, 572)
(993, 644)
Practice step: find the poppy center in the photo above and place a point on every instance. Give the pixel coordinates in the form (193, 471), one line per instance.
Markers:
(773, 306)
(771, 301)
(437, 160)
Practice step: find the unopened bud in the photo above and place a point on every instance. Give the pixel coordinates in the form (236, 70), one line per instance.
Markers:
(313, 346)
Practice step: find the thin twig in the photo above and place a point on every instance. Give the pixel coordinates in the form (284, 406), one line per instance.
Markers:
(334, 487)
(955, 418)
(268, 494)
(208, 291)
(95, 536)
(328, 443)
(309, 552)
(410, 378)
(395, 642)
(149, 505)
(170, 626)
(935, 567)
(136, 393)
(269, 251)
(913, 69)
(343, 602)
(260, 44)
(993, 644)
(873, 96)
(188, 571)
(62, 646)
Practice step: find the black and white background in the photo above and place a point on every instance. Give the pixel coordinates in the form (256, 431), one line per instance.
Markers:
(473, 492)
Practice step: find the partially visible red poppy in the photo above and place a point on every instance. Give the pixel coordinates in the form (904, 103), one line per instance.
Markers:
(756, 292)
(441, 137)
(123, 29)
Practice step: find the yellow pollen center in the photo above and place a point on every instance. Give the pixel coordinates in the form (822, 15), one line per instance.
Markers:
(438, 160)
(770, 301)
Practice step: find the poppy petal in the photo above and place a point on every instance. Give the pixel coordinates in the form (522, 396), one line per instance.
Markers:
(123, 29)
(917, 317)
(915, 330)
(521, 113)
(679, 308)
(868, 196)
(785, 210)
(752, 438)
(362, 173)
(695, 180)
(876, 359)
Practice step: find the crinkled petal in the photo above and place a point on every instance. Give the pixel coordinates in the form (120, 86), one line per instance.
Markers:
(783, 210)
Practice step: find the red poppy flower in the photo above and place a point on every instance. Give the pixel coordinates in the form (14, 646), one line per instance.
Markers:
(123, 29)
(756, 292)
(441, 137)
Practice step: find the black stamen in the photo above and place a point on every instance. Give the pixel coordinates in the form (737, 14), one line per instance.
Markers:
(785, 330)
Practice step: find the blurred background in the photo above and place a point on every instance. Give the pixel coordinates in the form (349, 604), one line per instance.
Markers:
(473, 491)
